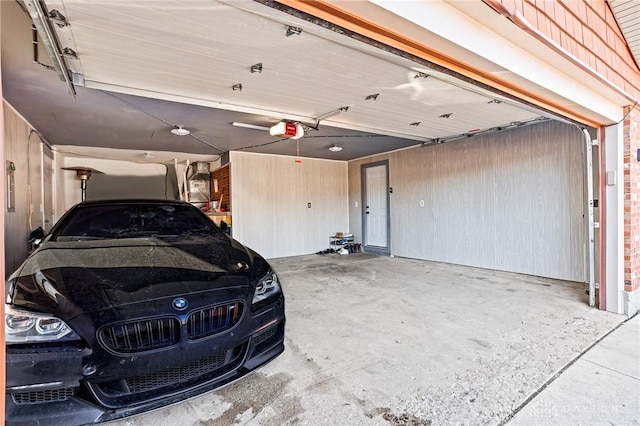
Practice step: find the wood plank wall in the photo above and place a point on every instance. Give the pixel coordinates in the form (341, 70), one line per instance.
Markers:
(510, 201)
(23, 147)
(271, 195)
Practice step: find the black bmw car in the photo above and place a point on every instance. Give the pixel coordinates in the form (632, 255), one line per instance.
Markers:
(127, 306)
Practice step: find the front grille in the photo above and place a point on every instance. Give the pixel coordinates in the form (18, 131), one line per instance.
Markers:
(128, 391)
(265, 335)
(143, 335)
(41, 396)
(175, 375)
(213, 320)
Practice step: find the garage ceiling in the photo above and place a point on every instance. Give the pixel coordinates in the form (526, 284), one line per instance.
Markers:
(145, 67)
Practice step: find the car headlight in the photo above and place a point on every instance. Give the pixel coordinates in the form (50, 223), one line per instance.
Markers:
(267, 286)
(24, 326)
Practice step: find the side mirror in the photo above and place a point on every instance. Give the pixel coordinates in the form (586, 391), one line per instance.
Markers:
(36, 236)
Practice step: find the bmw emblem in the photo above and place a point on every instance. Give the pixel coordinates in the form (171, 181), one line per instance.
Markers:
(180, 303)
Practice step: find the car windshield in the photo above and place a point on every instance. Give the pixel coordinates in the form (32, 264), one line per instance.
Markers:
(133, 220)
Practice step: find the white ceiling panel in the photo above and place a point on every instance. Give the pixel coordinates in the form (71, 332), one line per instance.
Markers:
(200, 49)
(149, 66)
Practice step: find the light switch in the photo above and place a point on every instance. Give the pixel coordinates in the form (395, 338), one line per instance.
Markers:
(612, 178)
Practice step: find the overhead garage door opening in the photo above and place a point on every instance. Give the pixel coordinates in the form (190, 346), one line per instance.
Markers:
(476, 176)
(471, 193)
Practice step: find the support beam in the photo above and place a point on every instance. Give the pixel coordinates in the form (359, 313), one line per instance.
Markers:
(613, 184)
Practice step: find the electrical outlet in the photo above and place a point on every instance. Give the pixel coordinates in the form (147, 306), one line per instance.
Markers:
(421, 203)
(356, 204)
(308, 205)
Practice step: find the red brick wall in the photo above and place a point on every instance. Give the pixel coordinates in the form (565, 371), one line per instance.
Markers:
(588, 30)
(631, 200)
(224, 186)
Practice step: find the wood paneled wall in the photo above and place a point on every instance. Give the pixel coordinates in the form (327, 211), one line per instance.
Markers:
(270, 203)
(23, 147)
(510, 201)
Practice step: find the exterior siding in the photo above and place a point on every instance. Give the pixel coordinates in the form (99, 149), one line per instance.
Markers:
(586, 29)
(631, 200)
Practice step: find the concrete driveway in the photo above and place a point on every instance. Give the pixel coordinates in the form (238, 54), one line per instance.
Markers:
(378, 341)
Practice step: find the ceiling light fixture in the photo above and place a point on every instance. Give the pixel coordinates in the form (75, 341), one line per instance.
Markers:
(180, 131)
(335, 148)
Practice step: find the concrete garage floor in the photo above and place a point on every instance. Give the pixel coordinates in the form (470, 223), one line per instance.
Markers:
(378, 341)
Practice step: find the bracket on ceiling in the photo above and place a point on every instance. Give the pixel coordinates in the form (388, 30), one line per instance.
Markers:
(256, 68)
(68, 52)
(420, 74)
(58, 18)
(293, 31)
(237, 86)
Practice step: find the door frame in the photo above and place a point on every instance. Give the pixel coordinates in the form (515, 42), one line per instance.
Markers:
(363, 191)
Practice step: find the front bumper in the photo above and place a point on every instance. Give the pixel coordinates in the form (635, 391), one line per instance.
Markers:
(48, 387)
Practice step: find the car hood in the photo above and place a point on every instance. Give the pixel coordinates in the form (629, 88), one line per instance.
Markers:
(72, 278)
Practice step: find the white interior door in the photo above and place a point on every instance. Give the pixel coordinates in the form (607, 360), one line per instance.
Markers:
(376, 208)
